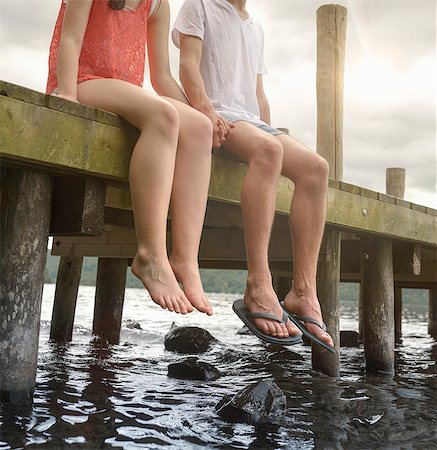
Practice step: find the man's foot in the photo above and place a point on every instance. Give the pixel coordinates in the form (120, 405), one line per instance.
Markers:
(307, 305)
(189, 277)
(261, 298)
(158, 278)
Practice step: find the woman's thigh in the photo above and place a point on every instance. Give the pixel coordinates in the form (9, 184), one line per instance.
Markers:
(131, 102)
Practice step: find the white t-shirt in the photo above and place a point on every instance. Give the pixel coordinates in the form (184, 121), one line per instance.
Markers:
(232, 56)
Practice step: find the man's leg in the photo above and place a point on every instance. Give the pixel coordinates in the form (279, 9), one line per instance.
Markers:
(309, 172)
(263, 153)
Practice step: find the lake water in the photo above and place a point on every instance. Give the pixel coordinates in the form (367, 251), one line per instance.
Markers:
(87, 397)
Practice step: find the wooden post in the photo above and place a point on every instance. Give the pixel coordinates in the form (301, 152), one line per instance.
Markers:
(64, 307)
(395, 182)
(110, 288)
(328, 288)
(398, 313)
(282, 286)
(377, 290)
(432, 313)
(24, 229)
(331, 44)
(395, 185)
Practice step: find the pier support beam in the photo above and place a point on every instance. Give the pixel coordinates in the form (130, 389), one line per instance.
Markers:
(24, 228)
(377, 291)
(432, 313)
(331, 45)
(328, 289)
(398, 313)
(110, 288)
(282, 286)
(64, 307)
(395, 185)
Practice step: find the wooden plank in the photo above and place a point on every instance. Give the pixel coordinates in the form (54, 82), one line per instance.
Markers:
(77, 206)
(62, 141)
(58, 104)
(69, 144)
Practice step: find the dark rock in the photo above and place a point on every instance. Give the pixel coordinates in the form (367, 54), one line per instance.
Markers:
(188, 340)
(244, 330)
(257, 403)
(133, 324)
(193, 369)
(349, 339)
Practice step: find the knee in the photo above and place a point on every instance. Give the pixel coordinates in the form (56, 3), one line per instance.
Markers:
(317, 175)
(164, 118)
(198, 130)
(269, 157)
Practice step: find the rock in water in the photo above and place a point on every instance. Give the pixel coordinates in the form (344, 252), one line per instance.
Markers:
(349, 339)
(257, 403)
(188, 340)
(193, 369)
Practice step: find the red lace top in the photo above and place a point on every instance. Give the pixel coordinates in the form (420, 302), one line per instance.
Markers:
(114, 44)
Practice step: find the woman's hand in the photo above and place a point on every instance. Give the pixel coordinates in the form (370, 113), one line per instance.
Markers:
(221, 129)
(70, 98)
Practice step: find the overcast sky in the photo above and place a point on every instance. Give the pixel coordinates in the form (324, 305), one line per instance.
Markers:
(390, 81)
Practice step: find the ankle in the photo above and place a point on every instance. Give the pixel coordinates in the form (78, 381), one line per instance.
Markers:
(146, 257)
(259, 279)
(304, 290)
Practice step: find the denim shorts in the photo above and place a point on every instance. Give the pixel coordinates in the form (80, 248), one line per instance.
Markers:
(262, 126)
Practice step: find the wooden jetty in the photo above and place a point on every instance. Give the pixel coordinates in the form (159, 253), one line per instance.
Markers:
(64, 173)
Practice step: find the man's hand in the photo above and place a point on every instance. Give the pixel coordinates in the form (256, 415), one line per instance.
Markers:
(221, 129)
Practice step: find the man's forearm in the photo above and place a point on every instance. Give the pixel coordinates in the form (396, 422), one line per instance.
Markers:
(264, 109)
(165, 85)
(195, 91)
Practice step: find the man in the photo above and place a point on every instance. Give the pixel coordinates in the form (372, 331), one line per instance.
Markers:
(221, 70)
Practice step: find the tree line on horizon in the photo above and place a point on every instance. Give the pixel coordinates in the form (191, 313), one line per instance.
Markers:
(214, 281)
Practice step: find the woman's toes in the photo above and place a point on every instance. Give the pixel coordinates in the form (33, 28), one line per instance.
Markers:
(176, 306)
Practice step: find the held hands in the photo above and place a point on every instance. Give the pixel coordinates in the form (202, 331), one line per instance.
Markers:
(221, 129)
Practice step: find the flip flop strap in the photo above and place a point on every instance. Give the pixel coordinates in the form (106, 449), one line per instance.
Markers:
(311, 320)
(268, 316)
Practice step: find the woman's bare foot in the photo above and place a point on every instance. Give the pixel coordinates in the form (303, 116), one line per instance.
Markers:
(189, 277)
(261, 298)
(306, 304)
(158, 278)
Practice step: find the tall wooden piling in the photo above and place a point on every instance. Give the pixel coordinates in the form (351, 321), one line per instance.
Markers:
(395, 185)
(110, 289)
(398, 313)
(377, 291)
(432, 313)
(24, 229)
(282, 286)
(64, 306)
(331, 44)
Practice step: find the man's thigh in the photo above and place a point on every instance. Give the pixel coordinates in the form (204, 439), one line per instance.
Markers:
(297, 159)
(247, 141)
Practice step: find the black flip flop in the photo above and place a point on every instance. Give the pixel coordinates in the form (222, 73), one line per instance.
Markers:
(299, 321)
(245, 315)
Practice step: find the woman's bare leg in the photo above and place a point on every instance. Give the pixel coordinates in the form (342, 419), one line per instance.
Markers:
(150, 176)
(188, 200)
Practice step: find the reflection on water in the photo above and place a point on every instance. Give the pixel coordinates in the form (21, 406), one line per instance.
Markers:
(91, 397)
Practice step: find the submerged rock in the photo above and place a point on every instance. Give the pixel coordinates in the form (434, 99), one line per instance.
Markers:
(349, 339)
(257, 403)
(188, 339)
(133, 324)
(193, 369)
